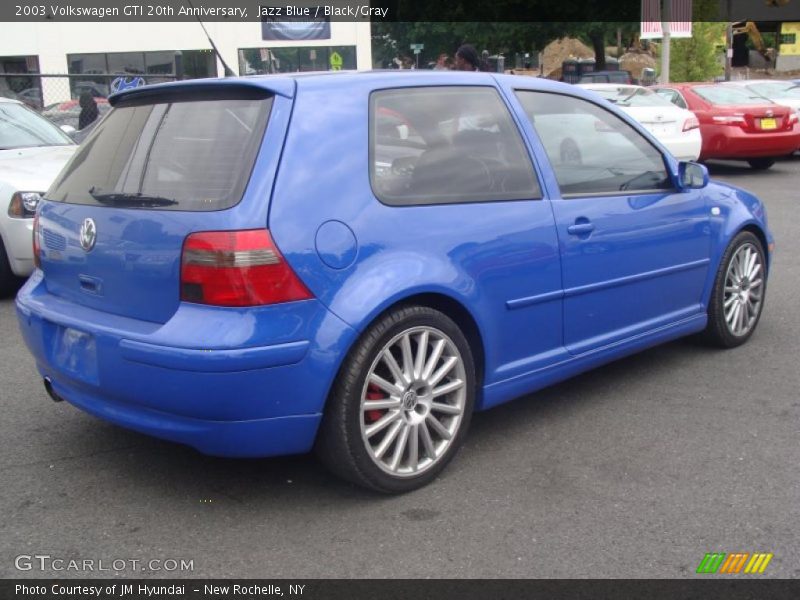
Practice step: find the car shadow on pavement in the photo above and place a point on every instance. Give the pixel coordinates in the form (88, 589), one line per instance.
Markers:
(149, 463)
(735, 168)
(16, 284)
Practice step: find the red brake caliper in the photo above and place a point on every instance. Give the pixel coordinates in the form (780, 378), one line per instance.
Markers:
(374, 393)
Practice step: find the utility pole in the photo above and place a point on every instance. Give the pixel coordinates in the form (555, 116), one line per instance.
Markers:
(728, 43)
(666, 16)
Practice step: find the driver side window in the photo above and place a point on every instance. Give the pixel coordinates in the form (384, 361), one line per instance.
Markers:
(591, 150)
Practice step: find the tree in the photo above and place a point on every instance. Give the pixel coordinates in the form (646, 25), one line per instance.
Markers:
(695, 58)
(391, 39)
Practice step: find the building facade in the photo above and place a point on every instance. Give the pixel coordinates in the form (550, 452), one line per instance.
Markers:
(158, 51)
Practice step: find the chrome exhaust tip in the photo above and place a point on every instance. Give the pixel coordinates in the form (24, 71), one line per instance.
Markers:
(48, 386)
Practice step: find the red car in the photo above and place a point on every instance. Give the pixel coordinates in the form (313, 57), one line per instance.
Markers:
(737, 124)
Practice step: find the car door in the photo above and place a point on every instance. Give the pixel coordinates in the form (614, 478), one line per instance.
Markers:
(635, 251)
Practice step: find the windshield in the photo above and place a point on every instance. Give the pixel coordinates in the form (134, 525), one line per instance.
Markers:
(631, 96)
(20, 127)
(173, 155)
(782, 89)
(725, 95)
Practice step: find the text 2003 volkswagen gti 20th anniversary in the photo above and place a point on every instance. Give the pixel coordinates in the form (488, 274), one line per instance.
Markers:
(356, 262)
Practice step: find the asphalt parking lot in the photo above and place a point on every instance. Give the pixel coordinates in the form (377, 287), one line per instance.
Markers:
(634, 470)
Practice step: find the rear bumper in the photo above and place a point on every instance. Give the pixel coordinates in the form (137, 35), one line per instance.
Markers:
(722, 141)
(686, 146)
(258, 437)
(227, 382)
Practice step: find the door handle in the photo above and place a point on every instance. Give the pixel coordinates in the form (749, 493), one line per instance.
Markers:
(580, 228)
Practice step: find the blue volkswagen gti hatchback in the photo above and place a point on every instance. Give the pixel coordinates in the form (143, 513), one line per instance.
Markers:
(356, 262)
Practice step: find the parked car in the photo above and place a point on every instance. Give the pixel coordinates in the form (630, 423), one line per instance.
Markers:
(225, 265)
(607, 77)
(677, 128)
(737, 124)
(786, 93)
(31, 97)
(32, 152)
(68, 113)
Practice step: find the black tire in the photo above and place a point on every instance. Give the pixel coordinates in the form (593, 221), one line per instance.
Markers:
(718, 332)
(8, 281)
(340, 445)
(761, 164)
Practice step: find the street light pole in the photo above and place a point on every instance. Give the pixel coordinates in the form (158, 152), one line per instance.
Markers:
(666, 16)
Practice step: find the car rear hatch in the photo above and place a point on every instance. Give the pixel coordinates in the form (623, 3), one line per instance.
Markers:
(166, 162)
(757, 119)
(661, 123)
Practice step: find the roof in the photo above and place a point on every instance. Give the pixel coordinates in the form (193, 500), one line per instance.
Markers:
(609, 86)
(286, 84)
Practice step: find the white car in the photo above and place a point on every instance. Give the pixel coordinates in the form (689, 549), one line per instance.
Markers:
(32, 152)
(786, 93)
(676, 128)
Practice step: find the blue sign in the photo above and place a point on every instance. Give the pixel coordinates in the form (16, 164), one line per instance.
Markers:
(120, 84)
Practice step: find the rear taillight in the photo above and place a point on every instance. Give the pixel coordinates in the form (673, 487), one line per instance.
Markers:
(691, 123)
(792, 119)
(737, 120)
(237, 268)
(36, 248)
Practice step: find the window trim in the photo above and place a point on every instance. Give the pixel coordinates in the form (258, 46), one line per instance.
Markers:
(574, 196)
(441, 200)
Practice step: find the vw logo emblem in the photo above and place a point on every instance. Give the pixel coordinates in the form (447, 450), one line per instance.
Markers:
(409, 400)
(88, 235)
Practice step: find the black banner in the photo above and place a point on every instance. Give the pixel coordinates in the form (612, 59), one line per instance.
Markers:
(535, 11)
(315, 589)
(295, 29)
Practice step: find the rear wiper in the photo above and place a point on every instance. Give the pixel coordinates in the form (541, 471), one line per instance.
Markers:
(128, 199)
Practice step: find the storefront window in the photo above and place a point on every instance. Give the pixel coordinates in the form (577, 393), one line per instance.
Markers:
(126, 63)
(16, 82)
(259, 61)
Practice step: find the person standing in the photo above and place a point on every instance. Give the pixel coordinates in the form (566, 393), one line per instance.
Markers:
(467, 58)
(89, 112)
(441, 63)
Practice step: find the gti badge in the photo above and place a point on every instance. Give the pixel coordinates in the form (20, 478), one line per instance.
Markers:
(88, 234)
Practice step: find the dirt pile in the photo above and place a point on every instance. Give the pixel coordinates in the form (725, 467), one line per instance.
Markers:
(635, 62)
(558, 51)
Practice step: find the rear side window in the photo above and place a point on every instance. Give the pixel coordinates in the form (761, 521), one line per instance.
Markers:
(186, 154)
(442, 145)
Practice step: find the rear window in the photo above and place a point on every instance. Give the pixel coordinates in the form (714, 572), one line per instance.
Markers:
(20, 127)
(632, 96)
(725, 95)
(181, 154)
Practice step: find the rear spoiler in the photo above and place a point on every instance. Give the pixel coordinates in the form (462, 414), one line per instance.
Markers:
(255, 87)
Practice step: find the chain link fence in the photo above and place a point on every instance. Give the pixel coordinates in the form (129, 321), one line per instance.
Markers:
(57, 97)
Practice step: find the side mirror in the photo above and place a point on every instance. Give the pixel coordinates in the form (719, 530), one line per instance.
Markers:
(68, 129)
(692, 176)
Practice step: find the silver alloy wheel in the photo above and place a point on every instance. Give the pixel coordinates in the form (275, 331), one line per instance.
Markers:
(412, 402)
(744, 290)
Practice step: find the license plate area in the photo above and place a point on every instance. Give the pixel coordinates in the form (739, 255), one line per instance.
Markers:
(75, 353)
(769, 124)
(660, 128)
